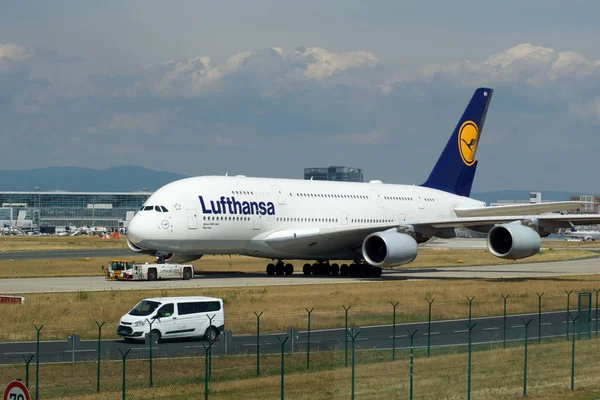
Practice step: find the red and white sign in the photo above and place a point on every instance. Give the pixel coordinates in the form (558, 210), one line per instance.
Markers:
(12, 299)
(16, 390)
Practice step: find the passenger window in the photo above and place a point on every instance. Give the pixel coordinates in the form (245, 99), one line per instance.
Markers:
(198, 307)
(165, 311)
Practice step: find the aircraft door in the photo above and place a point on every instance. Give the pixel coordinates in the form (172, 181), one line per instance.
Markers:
(192, 219)
(344, 218)
(257, 222)
(419, 200)
(279, 194)
(377, 197)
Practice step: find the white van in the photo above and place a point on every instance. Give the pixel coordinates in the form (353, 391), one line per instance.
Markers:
(174, 317)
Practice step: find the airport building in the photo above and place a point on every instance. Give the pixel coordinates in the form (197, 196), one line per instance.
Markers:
(53, 210)
(334, 173)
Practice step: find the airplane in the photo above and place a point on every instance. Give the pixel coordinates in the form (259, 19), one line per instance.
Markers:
(371, 225)
(583, 235)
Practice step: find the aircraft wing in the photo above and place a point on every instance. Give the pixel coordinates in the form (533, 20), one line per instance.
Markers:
(560, 220)
(521, 209)
(318, 240)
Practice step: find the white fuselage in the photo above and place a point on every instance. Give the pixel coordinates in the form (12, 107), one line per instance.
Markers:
(233, 215)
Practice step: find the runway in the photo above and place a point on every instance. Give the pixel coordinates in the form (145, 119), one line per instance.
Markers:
(212, 280)
(442, 334)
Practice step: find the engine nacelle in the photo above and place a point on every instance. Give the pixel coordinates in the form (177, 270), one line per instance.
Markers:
(389, 248)
(513, 241)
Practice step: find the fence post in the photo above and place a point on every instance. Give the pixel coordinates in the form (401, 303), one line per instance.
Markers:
(258, 342)
(210, 320)
(595, 290)
(394, 330)
(353, 337)
(346, 337)
(412, 337)
(504, 336)
(568, 310)
(282, 363)
(470, 303)
(573, 354)
(27, 361)
(124, 356)
(37, 359)
(207, 354)
(308, 339)
(429, 325)
(150, 340)
(99, 349)
(525, 363)
(470, 326)
(539, 316)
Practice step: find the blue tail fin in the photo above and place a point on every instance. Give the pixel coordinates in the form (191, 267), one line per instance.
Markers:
(455, 169)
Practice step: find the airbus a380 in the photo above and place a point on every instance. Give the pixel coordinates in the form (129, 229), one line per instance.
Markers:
(371, 225)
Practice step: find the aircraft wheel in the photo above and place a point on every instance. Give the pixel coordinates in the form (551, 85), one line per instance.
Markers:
(289, 269)
(316, 269)
(271, 269)
(279, 269)
(334, 269)
(352, 270)
(307, 269)
(344, 270)
(377, 272)
(360, 270)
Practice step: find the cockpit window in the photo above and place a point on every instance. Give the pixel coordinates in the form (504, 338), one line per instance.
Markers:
(148, 208)
(157, 208)
(164, 209)
(142, 209)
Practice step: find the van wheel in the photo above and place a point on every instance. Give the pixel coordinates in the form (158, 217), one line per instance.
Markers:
(211, 334)
(155, 336)
(152, 274)
(187, 273)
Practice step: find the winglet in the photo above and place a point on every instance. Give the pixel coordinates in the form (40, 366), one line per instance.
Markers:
(455, 169)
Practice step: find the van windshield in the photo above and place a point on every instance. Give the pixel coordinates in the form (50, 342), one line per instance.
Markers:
(144, 307)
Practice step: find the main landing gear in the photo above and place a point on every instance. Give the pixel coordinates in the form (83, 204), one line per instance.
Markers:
(280, 268)
(356, 269)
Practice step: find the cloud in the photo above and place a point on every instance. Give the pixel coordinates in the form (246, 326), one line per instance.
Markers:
(197, 76)
(257, 109)
(11, 51)
(525, 63)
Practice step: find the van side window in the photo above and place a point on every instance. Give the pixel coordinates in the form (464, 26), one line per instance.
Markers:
(165, 311)
(198, 307)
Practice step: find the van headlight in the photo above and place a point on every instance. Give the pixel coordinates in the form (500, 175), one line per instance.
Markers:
(139, 323)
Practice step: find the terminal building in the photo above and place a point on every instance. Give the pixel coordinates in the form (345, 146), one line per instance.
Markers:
(67, 211)
(334, 173)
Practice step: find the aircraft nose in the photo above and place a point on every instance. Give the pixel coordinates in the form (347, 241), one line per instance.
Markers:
(135, 231)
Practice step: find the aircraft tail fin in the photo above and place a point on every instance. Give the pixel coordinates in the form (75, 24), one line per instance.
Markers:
(455, 169)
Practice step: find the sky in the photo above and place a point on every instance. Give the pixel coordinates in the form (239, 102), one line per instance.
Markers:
(267, 88)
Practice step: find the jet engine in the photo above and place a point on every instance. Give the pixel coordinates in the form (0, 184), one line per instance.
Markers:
(389, 248)
(513, 241)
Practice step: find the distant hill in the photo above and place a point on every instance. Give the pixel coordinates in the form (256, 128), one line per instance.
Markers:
(77, 179)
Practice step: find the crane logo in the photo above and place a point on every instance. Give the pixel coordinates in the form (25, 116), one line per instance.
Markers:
(468, 137)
